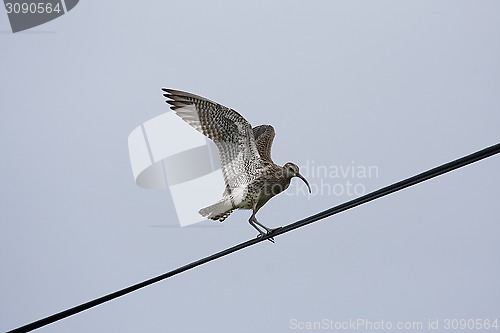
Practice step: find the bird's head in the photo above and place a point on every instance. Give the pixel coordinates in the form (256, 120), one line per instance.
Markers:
(292, 170)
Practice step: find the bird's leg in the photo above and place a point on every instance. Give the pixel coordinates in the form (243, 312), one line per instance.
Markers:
(269, 230)
(253, 222)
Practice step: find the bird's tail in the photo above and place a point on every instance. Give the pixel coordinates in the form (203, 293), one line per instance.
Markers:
(219, 210)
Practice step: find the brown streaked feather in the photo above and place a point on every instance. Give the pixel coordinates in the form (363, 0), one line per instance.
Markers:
(231, 133)
(264, 136)
(222, 217)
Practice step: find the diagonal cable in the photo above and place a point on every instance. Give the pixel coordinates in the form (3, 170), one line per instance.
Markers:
(421, 177)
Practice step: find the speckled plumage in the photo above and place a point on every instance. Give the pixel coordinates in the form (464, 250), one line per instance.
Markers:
(250, 175)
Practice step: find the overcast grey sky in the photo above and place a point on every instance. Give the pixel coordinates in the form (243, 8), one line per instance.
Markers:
(399, 85)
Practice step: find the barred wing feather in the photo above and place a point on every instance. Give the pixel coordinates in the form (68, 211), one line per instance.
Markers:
(231, 133)
(264, 136)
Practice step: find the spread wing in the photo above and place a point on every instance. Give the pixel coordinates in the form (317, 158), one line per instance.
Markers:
(231, 133)
(264, 136)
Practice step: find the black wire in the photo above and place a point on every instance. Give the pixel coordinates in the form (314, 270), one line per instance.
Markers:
(482, 154)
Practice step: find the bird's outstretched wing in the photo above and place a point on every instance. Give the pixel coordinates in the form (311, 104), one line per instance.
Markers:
(231, 133)
(264, 136)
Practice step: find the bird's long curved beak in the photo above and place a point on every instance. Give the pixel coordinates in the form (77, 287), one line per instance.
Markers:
(305, 181)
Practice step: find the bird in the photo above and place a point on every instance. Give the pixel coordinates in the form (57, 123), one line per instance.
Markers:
(251, 177)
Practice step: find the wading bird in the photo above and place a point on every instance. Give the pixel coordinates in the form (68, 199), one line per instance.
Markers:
(250, 175)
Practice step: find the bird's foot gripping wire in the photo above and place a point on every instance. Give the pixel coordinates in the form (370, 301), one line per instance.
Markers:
(268, 231)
